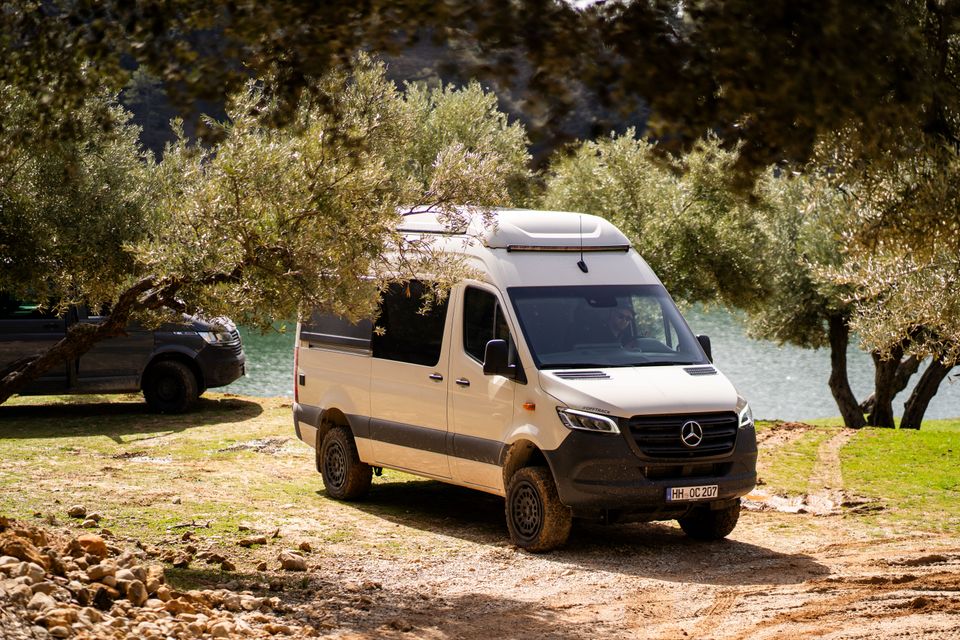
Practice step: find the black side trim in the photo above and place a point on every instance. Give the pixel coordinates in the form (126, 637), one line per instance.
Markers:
(360, 425)
(307, 414)
(474, 448)
(406, 435)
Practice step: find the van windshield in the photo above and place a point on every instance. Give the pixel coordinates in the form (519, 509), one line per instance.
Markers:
(604, 326)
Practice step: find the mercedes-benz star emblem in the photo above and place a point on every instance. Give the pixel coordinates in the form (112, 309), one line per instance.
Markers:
(691, 433)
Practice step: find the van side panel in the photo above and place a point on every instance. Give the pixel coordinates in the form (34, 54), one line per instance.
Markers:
(332, 379)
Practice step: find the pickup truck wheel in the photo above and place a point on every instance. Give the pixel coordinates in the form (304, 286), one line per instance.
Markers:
(536, 518)
(710, 524)
(344, 476)
(170, 387)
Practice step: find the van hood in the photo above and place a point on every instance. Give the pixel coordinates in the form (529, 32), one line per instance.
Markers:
(630, 391)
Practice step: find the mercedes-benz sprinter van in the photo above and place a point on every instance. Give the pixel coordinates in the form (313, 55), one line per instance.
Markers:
(562, 377)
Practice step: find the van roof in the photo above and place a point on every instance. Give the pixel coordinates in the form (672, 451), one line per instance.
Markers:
(519, 229)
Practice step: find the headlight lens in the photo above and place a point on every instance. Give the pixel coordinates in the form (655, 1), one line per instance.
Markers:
(584, 421)
(214, 337)
(744, 413)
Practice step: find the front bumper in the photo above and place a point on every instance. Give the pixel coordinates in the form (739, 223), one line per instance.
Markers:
(600, 476)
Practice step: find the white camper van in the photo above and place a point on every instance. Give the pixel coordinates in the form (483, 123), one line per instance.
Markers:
(562, 378)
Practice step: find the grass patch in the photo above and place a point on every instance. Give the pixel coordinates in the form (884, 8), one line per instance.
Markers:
(914, 473)
(786, 469)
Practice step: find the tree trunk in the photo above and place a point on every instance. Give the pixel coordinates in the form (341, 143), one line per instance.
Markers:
(884, 388)
(839, 383)
(905, 371)
(916, 404)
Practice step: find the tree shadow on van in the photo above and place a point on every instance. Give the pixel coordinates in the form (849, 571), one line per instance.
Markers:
(115, 417)
(652, 550)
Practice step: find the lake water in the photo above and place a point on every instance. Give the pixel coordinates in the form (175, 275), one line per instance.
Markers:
(780, 382)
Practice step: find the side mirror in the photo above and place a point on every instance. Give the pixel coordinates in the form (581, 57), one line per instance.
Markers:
(705, 345)
(496, 362)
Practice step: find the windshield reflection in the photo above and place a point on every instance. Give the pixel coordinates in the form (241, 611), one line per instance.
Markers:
(603, 326)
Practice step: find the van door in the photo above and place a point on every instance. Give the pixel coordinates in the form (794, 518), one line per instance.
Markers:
(114, 365)
(481, 406)
(27, 331)
(408, 382)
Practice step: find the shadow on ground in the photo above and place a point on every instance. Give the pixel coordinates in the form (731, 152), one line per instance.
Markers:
(652, 550)
(116, 419)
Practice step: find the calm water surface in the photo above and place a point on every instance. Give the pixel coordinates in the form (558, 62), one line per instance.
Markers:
(780, 382)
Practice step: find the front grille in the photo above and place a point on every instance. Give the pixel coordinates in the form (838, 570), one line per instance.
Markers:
(659, 436)
(678, 471)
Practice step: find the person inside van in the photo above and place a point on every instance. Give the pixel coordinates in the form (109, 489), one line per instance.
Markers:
(620, 324)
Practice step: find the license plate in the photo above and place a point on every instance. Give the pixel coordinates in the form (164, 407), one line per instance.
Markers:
(703, 492)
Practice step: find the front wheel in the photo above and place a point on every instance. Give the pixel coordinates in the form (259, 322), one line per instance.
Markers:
(170, 387)
(710, 524)
(536, 518)
(344, 476)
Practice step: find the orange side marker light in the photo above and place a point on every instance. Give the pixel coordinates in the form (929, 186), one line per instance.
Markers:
(529, 406)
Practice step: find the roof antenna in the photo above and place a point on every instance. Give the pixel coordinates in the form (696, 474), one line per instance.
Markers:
(581, 263)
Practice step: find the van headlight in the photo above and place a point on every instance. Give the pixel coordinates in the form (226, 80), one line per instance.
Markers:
(215, 337)
(585, 421)
(744, 413)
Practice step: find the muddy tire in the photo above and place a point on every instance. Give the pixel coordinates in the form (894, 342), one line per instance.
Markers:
(536, 518)
(344, 476)
(170, 387)
(707, 524)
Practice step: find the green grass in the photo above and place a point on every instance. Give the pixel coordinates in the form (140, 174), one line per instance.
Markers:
(787, 469)
(916, 474)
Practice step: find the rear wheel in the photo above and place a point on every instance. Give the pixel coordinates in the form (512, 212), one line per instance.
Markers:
(704, 523)
(536, 518)
(344, 476)
(170, 387)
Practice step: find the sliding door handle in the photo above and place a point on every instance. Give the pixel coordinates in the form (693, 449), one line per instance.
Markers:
(463, 382)
(436, 377)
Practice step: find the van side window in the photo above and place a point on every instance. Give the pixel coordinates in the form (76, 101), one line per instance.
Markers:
(13, 309)
(403, 333)
(483, 321)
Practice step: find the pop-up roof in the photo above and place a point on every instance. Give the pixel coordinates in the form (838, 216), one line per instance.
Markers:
(523, 230)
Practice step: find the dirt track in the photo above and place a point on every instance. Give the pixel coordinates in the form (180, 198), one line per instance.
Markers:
(780, 575)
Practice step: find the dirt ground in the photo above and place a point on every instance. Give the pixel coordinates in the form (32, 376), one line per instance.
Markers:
(779, 575)
(421, 559)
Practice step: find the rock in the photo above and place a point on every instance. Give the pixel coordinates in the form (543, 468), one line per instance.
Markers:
(154, 578)
(93, 544)
(126, 575)
(305, 546)
(19, 547)
(89, 524)
(292, 561)
(278, 629)
(32, 571)
(90, 615)
(98, 572)
(221, 629)
(226, 565)
(179, 606)
(252, 540)
(103, 597)
(163, 593)
(137, 593)
(60, 632)
(262, 566)
(153, 603)
(41, 602)
(60, 617)
(77, 511)
(250, 603)
(44, 586)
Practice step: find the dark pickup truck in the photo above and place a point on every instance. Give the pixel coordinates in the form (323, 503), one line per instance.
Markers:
(172, 364)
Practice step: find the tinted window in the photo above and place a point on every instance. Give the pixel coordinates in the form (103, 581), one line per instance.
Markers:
(333, 331)
(14, 309)
(406, 332)
(604, 326)
(483, 321)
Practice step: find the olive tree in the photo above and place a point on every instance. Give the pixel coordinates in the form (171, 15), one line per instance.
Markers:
(267, 223)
